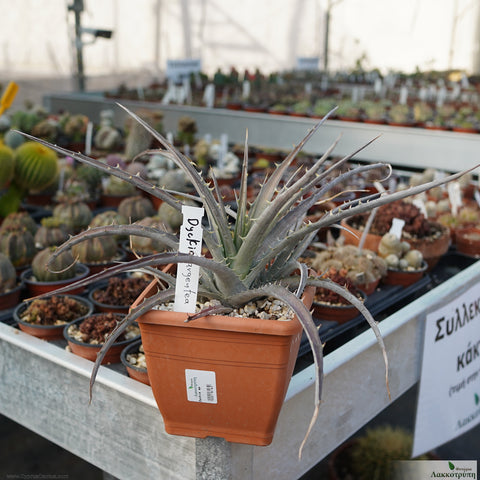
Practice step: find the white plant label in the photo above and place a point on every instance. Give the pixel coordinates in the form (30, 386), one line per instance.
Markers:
(88, 138)
(455, 196)
(420, 204)
(403, 95)
(245, 89)
(397, 227)
(449, 393)
(191, 234)
(201, 386)
(209, 95)
(307, 63)
(177, 70)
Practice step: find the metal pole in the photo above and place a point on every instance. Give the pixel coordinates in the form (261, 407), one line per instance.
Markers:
(77, 8)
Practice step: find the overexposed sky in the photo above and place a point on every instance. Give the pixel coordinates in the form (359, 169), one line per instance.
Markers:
(36, 37)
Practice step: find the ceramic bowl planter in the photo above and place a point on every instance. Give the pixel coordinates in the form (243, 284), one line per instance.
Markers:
(82, 344)
(404, 278)
(133, 358)
(191, 367)
(468, 241)
(35, 288)
(46, 318)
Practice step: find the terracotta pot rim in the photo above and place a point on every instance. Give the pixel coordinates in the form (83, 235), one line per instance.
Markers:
(17, 288)
(228, 323)
(131, 348)
(81, 269)
(96, 345)
(341, 307)
(22, 306)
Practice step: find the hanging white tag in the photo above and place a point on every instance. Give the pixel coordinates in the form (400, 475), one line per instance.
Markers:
(476, 195)
(223, 151)
(201, 386)
(191, 234)
(397, 227)
(455, 196)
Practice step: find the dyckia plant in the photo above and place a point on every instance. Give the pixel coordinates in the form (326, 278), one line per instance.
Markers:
(254, 246)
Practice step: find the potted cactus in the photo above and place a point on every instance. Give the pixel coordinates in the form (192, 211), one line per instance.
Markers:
(252, 256)
(63, 271)
(10, 288)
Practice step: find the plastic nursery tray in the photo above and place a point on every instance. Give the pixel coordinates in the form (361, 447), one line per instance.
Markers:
(386, 300)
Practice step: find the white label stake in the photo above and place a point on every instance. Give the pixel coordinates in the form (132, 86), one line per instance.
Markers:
(187, 273)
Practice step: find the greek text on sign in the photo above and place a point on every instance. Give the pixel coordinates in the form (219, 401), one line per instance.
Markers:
(449, 394)
(191, 234)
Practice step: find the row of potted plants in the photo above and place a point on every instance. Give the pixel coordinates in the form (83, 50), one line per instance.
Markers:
(252, 252)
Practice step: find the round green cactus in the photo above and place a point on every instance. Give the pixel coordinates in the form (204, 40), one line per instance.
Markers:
(109, 217)
(62, 268)
(374, 453)
(13, 139)
(8, 274)
(145, 245)
(170, 217)
(74, 215)
(96, 250)
(7, 165)
(18, 245)
(52, 232)
(135, 208)
(116, 186)
(19, 221)
(36, 166)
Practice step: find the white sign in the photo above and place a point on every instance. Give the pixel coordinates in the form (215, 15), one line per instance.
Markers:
(307, 63)
(191, 234)
(397, 227)
(449, 394)
(201, 386)
(177, 70)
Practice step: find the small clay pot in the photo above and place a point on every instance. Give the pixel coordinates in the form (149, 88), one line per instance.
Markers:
(99, 267)
(338, 313)
(404, 277)
(11, 298)
(35, 288)
(137, 373)
(90, 351)
(468, 241)
(47, 332)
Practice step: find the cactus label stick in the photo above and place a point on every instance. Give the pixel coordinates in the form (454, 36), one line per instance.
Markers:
(191, 234)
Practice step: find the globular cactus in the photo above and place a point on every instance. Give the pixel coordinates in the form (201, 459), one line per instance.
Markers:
(91, 176)
(186, 130)
(175, 180)
(8, 274)
(46, 129)
(36, 166)
(19, 221)
(170, 217)
(52, 232)
(135, 208)
(13, 139)
(18, 245)
(115, 186)
(146, 245)
(374, 454)
(75, 127)
(7, 165)
(61, 268)
(74, 215)
(109, 217)
(96, 250)
(399, 255)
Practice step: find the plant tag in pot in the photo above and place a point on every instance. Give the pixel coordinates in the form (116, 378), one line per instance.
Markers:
(191, 234)
(418, 202)
(455, 196)
(397, 227)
